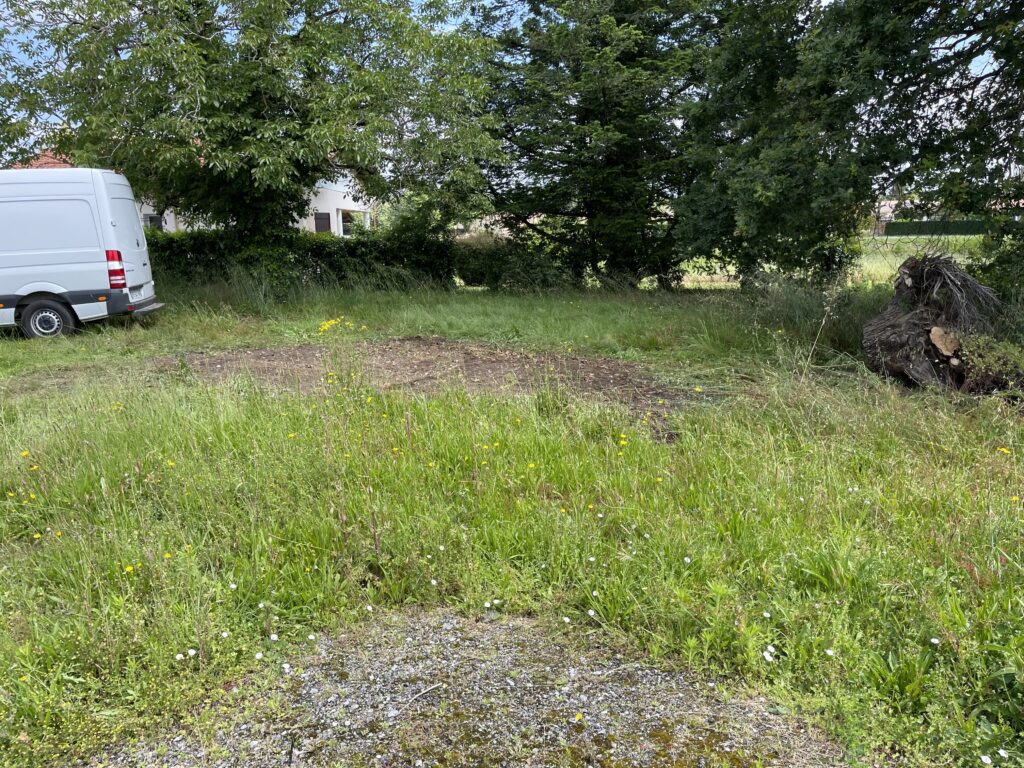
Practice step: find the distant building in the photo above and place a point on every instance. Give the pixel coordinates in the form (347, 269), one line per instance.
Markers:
(333, 208)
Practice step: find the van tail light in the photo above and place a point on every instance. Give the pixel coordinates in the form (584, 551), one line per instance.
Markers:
(115, 270)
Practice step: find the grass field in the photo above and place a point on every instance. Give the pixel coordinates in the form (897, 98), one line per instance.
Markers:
(872, 536)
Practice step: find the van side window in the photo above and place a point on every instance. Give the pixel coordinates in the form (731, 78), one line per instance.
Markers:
(47, 225)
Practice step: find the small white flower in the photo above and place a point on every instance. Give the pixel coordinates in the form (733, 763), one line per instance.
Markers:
(179, 656)
(565, 619)
(591, 559)
(686, 560)
(441, 548)
(311, 636)
(224, 634)
(259, 655)
(829, 652)
(768, 656)
(766, 615)
(191, 651)
(487, 604)
(233, 585)
(986, 760)
(591, 613)
(934, 641)
(496, 601)
(369, 608)
(600, 514)
(273, 637)
(286, 666)
(771, 649)
(594, 593)
(1003, 753)
(433, 582)
(260, 605)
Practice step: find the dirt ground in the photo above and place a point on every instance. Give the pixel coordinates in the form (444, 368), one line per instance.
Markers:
(436, 689)
(428, 364)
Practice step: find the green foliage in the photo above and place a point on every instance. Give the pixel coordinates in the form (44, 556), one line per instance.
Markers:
(993, 364)
(231, 112)
(523, 264)
(589, 97)
(1000, 263)
(390, 257)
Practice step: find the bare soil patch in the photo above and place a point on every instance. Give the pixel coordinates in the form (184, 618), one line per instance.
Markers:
(428, 364)
(436, 689)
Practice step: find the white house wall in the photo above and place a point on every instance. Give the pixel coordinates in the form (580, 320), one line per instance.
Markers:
(332, 199)
(329, 198)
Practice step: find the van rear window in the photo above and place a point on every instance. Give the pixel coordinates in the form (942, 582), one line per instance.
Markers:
(46, 225)
(127, 224)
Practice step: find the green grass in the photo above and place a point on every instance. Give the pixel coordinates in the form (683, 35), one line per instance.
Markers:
(804, 504)
(882, 256)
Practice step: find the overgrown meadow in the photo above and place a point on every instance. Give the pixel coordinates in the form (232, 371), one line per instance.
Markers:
(849, 548)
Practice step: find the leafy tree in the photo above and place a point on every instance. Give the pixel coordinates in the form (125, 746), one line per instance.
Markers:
(809, 109)
(592, 100)
(752, 132)
(230, 112)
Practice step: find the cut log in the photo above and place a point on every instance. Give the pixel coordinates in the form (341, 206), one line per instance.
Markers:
(916, 338)
(944, 341)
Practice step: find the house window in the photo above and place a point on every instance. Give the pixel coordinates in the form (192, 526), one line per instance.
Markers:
(153, 220)
(321, 222)
(351, 220)
(348, 223)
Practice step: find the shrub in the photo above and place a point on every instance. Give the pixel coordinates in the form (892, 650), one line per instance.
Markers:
(992, 364)
(488, 260)
(298, 257)
(1000, 264)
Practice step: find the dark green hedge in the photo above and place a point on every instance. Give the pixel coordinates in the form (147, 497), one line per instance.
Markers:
(299, 256)
(937, 228)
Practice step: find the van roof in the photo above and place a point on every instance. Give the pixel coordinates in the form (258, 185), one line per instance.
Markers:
(27, 175)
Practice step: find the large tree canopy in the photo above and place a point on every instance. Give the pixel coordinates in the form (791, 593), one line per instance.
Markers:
(232, 111)
(592, 100)
(757, 133)
(636, 135)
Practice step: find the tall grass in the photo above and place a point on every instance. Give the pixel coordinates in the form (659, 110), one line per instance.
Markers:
(872, 539)
(870, 536)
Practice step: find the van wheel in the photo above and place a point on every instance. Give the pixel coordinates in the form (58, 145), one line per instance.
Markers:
(46, 319)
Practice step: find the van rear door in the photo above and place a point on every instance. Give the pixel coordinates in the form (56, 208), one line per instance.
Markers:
(129, 238)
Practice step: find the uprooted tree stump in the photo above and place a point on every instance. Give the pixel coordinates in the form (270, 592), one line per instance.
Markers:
(918, 337)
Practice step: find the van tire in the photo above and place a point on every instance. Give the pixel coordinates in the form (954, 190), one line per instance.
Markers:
(46, 319)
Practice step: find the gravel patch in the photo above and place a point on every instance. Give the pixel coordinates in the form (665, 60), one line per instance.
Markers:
(437, 689)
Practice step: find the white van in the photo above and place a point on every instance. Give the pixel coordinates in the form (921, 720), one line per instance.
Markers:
(72, 250)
